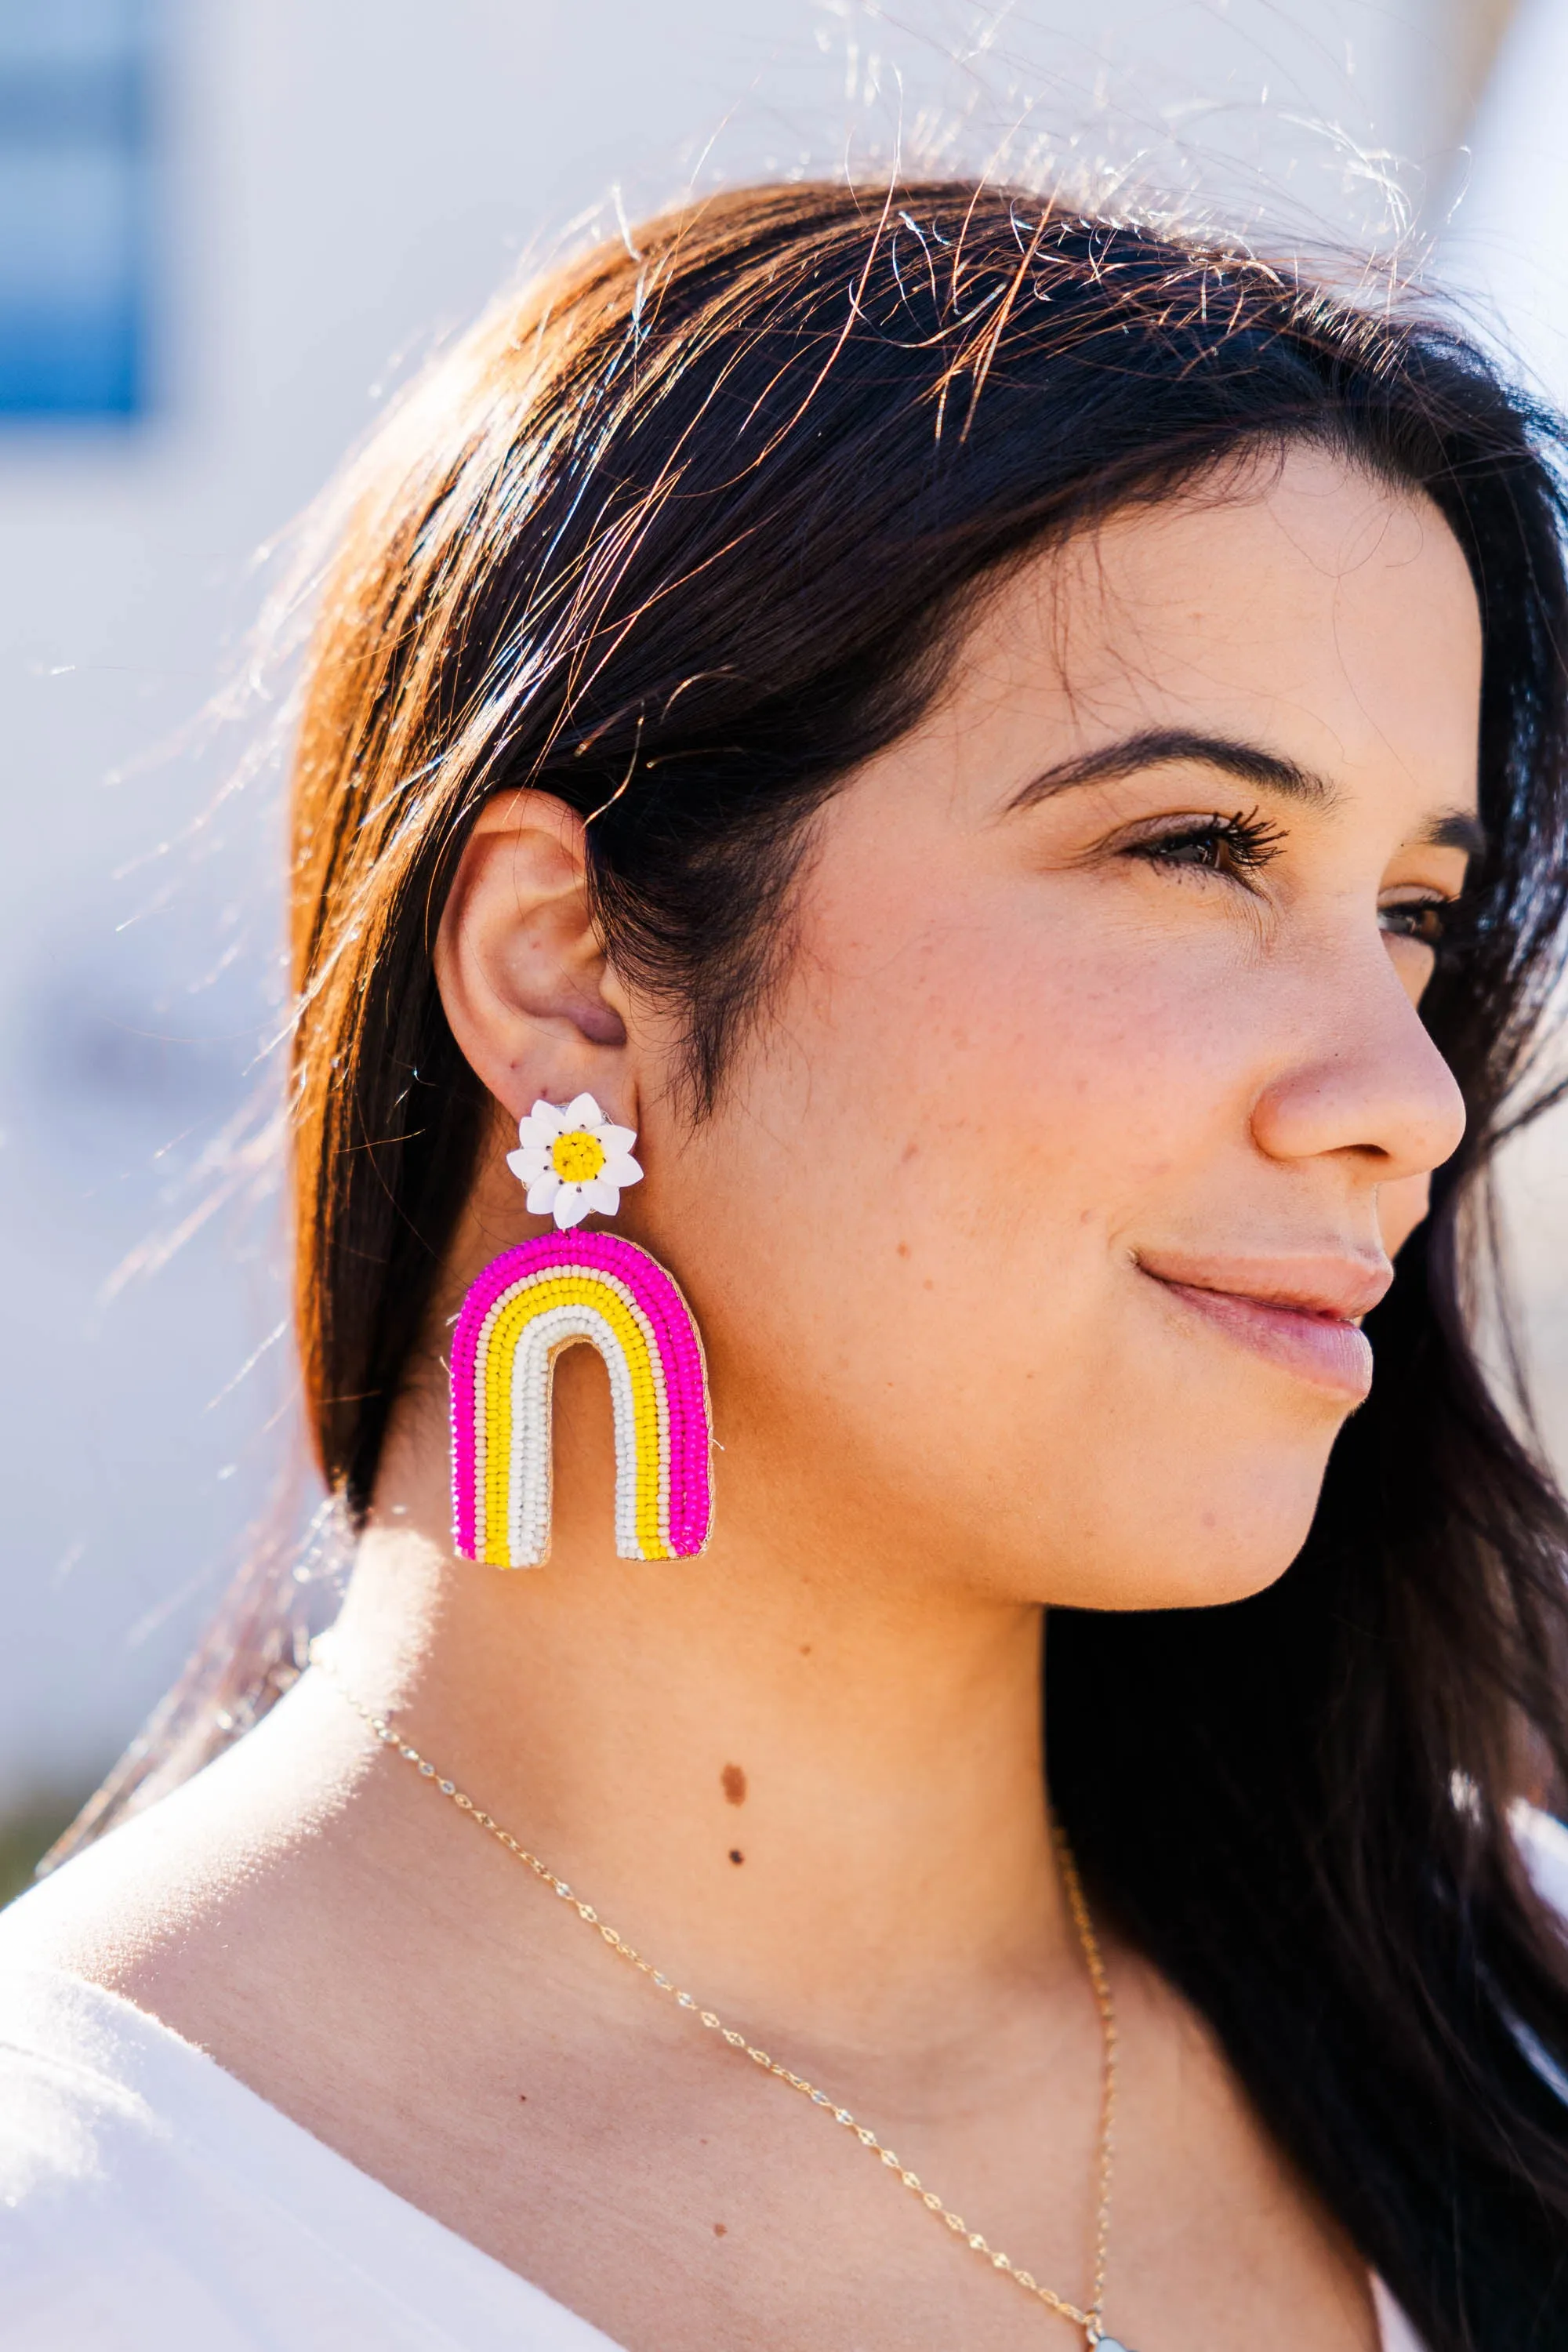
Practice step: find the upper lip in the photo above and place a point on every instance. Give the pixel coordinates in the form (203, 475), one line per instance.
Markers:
(1340, 1285)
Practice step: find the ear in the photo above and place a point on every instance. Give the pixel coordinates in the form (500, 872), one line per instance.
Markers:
(531, 1000)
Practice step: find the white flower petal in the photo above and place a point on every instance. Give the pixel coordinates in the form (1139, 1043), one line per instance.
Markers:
(601, 1196)
(616, 1139)
(542, 1193)
(571, 1205)
(543, 1125)
(581, 1111)
(619, 1170)
(528, 1164)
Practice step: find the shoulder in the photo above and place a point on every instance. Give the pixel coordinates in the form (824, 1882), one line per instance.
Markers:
(150, 2202)
(89, 2154)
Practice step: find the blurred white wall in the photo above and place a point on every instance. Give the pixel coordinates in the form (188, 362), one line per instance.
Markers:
(1506, 250)
(338, 184)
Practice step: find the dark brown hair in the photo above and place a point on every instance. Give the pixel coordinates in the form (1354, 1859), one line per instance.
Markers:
(681, 535)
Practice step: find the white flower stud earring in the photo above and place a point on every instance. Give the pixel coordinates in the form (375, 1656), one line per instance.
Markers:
(574, 1163)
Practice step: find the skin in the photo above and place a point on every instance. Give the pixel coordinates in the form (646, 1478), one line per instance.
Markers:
(1027, 1244)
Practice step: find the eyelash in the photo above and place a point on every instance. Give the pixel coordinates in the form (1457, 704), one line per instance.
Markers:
(1243, 844)
(1435, 917)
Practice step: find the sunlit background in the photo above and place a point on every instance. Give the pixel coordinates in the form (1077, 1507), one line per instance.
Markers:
(229, 230)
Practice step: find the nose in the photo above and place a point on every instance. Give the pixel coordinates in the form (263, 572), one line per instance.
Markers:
(1366, 1078)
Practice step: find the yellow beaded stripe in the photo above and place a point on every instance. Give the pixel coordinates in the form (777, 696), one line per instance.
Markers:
(494, 1424)
(512, 1485)
(511, 1377)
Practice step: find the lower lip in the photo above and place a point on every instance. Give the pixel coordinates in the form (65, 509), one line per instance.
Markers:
(1322, 1349)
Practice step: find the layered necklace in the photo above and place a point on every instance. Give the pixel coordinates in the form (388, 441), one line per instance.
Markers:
(1090, 2317)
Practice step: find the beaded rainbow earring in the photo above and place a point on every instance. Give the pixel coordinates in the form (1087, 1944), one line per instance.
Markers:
(546, 1295)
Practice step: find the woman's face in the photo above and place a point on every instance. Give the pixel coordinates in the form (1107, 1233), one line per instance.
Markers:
(1031, 1236)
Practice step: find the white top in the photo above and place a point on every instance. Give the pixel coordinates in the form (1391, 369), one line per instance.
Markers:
(149, 2202)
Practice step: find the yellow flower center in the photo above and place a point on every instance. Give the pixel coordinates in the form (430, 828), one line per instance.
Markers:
(576, 1157)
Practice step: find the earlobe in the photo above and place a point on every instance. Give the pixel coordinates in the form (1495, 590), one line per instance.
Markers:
(527, 989)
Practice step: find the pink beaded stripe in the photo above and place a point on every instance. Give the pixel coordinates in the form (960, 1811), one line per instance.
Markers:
(525, 1308)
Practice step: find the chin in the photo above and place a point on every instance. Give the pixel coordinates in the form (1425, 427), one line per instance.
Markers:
(1209, 1585)
(1207, 1543)
(1253, 1555)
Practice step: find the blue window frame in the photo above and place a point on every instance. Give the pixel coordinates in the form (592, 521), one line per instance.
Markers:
(74, 164)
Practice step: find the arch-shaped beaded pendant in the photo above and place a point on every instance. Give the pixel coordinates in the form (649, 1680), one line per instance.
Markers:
(529, 1305)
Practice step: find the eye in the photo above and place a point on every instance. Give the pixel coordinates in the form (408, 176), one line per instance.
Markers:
(1425, 920)
(1238, 845)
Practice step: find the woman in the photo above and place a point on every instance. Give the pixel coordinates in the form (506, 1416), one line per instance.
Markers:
(1011, 767)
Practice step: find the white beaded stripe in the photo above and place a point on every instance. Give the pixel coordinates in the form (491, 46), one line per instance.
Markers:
(533, 1452)
(532, 1379)
(530, 1481)
(528, 1544)
(533, 1282)
(532, 1372)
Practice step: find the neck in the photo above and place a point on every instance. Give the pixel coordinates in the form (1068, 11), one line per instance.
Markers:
(822, 1790)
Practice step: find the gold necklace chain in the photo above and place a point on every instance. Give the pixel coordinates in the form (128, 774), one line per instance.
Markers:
(1090, 2319)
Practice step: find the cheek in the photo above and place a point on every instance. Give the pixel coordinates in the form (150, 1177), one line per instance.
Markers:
(988, 1108)
(918, 1215)
(1012, 1083)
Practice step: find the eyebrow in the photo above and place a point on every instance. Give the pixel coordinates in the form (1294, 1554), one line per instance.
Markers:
(1455, 829)
(1250, 763)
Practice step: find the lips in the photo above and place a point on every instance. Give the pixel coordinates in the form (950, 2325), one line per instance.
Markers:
(1301, 1314)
